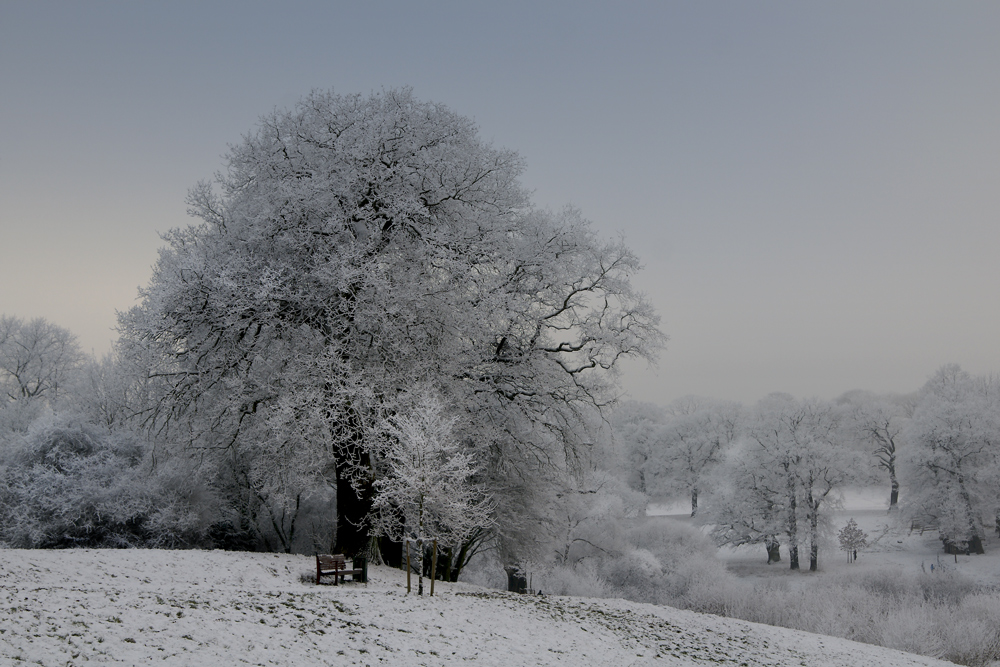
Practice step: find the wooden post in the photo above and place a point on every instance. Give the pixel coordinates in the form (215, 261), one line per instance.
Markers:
(407, 565)
(434, 565)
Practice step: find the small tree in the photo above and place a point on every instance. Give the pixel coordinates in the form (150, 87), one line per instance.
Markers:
(427, 492)
(851, 539)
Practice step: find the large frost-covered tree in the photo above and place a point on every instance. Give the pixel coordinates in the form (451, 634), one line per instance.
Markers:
(955, 438)
(749, 503)
(355, 247)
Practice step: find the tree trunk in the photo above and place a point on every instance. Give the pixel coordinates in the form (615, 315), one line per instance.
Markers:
(434, 562)
(793, 527)
(517, 581)
(694, 501)
(814, 548)
(975, 539)
(894, 491)
(446, 569)
(353, 469)
(467, 549)
(352, 509)
(813, 505)
(773, 550)
(420, 566)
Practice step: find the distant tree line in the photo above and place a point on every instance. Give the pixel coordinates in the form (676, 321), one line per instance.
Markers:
(771, 472)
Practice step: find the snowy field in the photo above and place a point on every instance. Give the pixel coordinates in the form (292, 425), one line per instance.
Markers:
(892, 545)
(136, 607)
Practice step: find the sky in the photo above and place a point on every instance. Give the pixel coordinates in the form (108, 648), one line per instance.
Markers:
(813, 188)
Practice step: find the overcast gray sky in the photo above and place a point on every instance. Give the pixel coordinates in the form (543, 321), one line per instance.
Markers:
(814, 188)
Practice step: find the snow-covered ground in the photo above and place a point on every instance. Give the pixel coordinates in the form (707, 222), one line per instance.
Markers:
(892, 545)
(221, 608)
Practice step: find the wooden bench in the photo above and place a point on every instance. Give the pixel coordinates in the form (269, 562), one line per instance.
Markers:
(336, 566)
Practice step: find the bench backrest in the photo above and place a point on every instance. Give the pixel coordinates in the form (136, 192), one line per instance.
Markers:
(334, 562)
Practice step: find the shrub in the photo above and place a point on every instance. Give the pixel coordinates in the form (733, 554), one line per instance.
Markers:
(67, 483)
(581, 580)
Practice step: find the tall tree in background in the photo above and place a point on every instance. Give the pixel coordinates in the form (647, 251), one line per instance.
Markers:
(879, 422)
(637, 430)
(749, 502)
(355, 247)
(38, 360)
(955, 435)
(798, 440)
(697, 433)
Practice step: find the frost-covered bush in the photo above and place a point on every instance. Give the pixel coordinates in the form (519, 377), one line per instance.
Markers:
(69, 483)
(973, 631)
(665, 562)
(581, 580)
(653, 560)
(939, 616)
(16, 417)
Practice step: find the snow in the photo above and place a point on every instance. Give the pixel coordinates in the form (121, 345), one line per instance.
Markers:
(892, 545)
(212, 607)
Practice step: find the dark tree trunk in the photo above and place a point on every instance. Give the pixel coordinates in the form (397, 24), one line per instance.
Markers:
(391, 552)
(894, 492)
(694, 501)
(517, 580)
(793, 525)
(444, 574)
(773, 551)
(466, 550)
(976, 541)
(355, 483)
(352, 508)
(813, 528)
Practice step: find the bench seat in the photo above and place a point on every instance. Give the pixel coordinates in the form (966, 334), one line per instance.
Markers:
(335, 565)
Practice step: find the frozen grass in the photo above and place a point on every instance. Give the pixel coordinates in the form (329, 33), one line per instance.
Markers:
(940, 616)
(890, 597)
